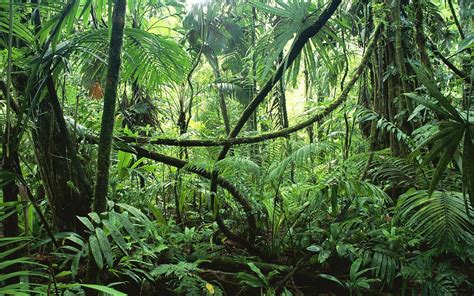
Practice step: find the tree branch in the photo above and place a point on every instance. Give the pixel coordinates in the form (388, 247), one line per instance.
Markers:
(239, 197)
(450, 65)
(295, 50)
(271, 135)
(181, 164)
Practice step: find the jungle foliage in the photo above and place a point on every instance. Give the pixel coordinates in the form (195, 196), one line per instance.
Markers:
(211, 147)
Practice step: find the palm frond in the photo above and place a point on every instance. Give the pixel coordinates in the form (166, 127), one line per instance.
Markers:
(440, 218)
(237, 165)
(385, 125)
(149, 59)
(153, 60)
(299, 157)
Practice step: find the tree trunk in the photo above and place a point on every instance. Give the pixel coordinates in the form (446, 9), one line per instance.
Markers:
(11, 164)
(222, 103)
(62, 174)
(108, 113)
(107, 125)
(60, 179)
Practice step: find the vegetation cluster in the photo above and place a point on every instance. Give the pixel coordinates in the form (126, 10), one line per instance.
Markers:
(236, 147)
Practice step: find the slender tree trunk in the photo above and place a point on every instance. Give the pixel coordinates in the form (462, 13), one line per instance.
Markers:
(253, 119)
(399, 55)
(307, 98)
(108, 119)
(281, 97)
(108, 113)
(10, 160)
(11, 164)
(222, 103)
(466, 14)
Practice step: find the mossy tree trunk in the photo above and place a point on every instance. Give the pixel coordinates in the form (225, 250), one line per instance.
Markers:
(62, 173)
(107, 124)
(108, 113)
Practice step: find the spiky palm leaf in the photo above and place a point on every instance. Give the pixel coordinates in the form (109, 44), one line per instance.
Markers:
(292, 18)
(149, 59)
(440, 218)
(298, 157)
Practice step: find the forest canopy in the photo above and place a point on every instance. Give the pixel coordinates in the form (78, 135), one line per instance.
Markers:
(211, 147)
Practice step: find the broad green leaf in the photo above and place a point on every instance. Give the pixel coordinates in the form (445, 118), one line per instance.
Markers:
(440, 146)
(116, 235)
(257, 270)
(354, 268)
(157, 214)
(22, 260)
(466, 43)
(95, 217)
(446, 158)
(468, 165)
(129, 228)
(314, 249)
(28, 273)
(96, 252)
(105, 247)
(331, 278)
(250, 280)
(87, 223)
(124, 160)
(434, 91)
(75, 265)
(104, 289)
(428, 104)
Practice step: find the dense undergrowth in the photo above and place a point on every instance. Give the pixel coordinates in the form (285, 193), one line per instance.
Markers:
(259, 148)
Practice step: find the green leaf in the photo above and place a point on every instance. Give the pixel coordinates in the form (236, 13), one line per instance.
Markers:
(434, 91)
(250, 280)
(87, 223)
(157, 214)
(442, 132)
(104, 289)
(105, 247)
(468, 165)
(428, 104)
(116, 235)
(354, 268)
(95, 250)
(75, 265)
(129, 228)
(446, 158)
(440, 219)
(441, 145)
(314, 249)
(257, 270)
(272, 9)
(7, 177)
(95, 217)
(124, 160)
(466, 43)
